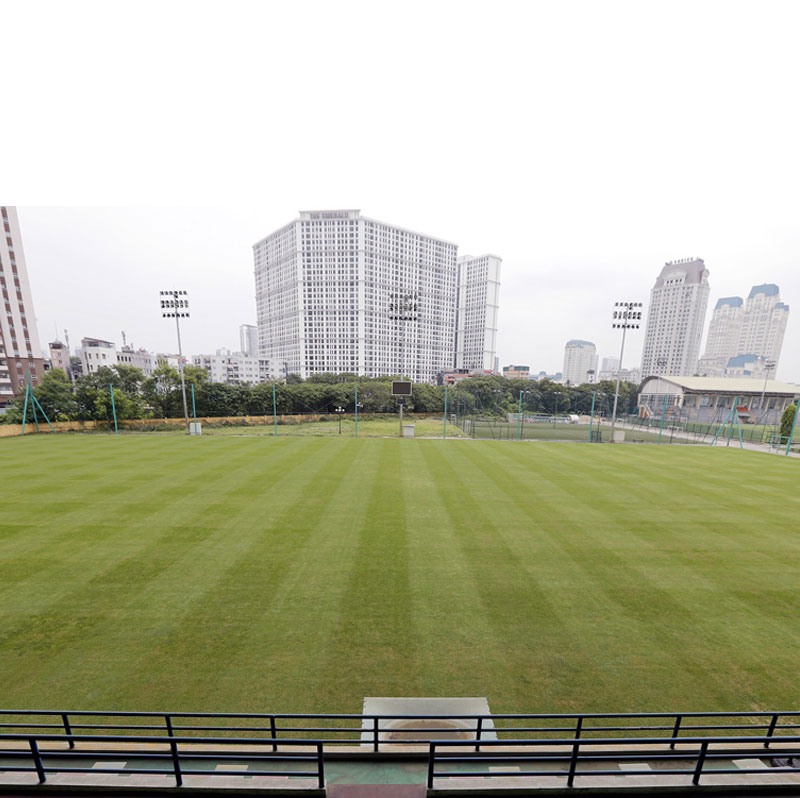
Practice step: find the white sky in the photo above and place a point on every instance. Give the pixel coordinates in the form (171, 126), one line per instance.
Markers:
(149, 145)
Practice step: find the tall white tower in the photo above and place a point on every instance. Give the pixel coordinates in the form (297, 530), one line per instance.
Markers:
(675, 319)
(763, 323)
(478, 302)
(724, 331)
(20, 353)
(580, 362)
(338, 292)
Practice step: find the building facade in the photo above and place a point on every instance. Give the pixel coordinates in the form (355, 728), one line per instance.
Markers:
(517, 372)
(477, 307)
(763, 323)
(95, 353)
(20, 353)
(724, 331)
(231, 368)
(675, 319)
(141, 359)
(339, 292)
(710, 399)
(248, 340)
(59, 356)
(580, 362)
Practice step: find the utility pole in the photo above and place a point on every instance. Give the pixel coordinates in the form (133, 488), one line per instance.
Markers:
(175, 305)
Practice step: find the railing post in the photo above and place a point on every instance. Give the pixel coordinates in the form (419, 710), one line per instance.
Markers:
(431, 755)
(701, 757)
(573, 764)
(168, 722)
(375, 738)
(675, 729)
(478, 734)
(68, 730)
(176, 764)
(273, 732)
(37, 760)
(320, 767)
(771, 730)
(578, 727)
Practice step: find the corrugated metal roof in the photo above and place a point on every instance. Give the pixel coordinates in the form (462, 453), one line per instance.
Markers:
(740, 385)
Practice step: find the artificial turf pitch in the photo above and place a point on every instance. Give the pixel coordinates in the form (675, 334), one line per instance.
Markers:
(291, 575)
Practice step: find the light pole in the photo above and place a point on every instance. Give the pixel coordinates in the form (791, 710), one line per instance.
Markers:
(769, 365)
(626, 317)
(174, 304)
(521, 394)
(339, 411)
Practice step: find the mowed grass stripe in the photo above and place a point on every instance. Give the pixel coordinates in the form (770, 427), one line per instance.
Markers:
(689, 625)
(516, 619)
(146, 596)
(374, 649)
(555, 637)
(60, 557)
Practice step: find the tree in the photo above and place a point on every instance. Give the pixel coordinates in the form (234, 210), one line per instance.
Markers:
(54, 394)
(787, 421)
(93, 395)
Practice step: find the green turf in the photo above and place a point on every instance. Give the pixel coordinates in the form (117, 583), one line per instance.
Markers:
(287, 574)
(367, 428)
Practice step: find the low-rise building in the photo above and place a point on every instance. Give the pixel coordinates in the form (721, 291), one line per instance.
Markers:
(95, 353)
(517, 372)
(59, 356)
(710, 399)
(139, 358)
(232, 368)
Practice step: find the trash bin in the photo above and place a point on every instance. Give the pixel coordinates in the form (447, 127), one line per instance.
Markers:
(408, 430)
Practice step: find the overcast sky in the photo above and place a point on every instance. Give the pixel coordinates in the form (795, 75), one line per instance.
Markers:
(149, 145)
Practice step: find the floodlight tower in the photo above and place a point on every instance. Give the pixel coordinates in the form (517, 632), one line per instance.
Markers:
(627, 316)
(174, 304)
(769, 366)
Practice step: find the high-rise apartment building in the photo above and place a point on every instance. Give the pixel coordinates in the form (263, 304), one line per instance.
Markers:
(763, 323)
(20, 353)
(580, 362)
(248, 340)
(339, 292)
(724, 332)
(745, 336)
(675, 319)
(477, 307)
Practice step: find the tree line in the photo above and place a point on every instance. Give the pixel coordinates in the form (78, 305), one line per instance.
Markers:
(159, 396)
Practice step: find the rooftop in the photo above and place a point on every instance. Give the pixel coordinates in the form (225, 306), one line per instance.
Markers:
(731, 301)
(770, 289)
(732, 385)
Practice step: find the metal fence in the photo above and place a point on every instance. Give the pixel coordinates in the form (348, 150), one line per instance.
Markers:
(374, 731)
(179, 761)
(599, 751)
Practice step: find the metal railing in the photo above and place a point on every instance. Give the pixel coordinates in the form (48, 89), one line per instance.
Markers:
(441, 753)
(376, 730)
(179, 760)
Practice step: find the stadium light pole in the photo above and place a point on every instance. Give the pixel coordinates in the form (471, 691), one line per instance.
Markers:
(626, 316)
(769, 365)
(175, 305)
(339, 411)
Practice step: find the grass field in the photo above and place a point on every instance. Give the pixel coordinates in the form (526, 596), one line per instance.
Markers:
(261, 574)
(367, 428)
